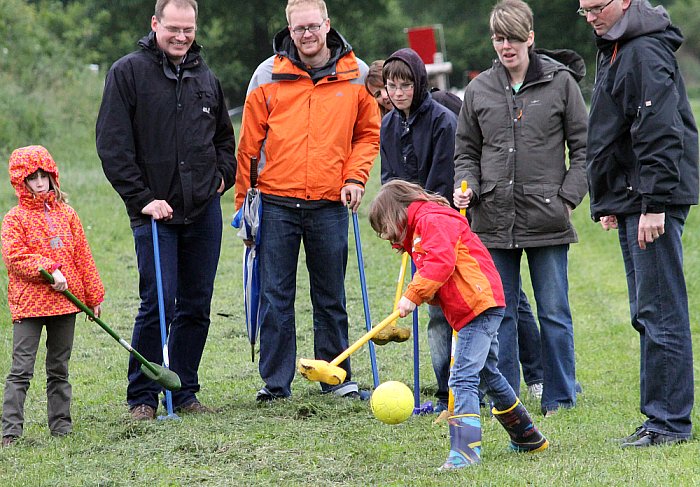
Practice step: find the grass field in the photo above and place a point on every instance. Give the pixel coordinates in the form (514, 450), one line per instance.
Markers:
(312, 439)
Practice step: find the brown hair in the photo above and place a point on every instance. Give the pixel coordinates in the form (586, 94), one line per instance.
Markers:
(512, 19)
(374, 75)
(388, 211)
(161, 4)
(293, 4)
(397, 69)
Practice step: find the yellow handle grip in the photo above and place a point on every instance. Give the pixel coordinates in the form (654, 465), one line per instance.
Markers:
(402, 276)
(463, 211)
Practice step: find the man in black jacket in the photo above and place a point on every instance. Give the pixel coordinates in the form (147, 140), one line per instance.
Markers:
(167, 147)
(642, 165)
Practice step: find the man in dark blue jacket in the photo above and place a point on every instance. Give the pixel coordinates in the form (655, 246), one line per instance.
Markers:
(642, 162)
(167, 147)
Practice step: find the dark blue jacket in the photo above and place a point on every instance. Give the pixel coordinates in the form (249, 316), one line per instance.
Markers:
(163, 134)
(419, 148)
(642, 138)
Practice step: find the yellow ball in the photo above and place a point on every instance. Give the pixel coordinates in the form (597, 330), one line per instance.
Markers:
(392, 402)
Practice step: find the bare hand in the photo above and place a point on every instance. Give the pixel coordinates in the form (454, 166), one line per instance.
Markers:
(651, 227)
(97, 311)
(249, 242)
(351, 195)
(462, 200)
(608, 222)
(405, 306)
(158, 209)
(59, 281)
(222, 187)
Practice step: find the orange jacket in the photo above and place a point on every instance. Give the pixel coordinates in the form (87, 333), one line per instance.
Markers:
(453, 268)
(42, 232)
(310, 139)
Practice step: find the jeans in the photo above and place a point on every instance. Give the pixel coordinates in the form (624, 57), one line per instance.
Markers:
(26, 335)
(476, 360)
(440, 344)
(189, 255)
(548, 272)
(529, 344)
(324, 232)
(659, 312)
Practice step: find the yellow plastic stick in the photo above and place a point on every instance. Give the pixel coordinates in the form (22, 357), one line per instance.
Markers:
(399, 283)
(451, 396)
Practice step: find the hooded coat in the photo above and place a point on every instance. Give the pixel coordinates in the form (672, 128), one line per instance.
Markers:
(43, 232)
(453, 268)
(419, 148)
(164, 133)
(511, 150)
(643, 139)
(313, 131)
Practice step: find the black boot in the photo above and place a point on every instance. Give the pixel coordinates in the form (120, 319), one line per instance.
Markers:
(524, 435)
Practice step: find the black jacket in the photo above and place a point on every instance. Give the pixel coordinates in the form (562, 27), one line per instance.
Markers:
(642, 138)
(419, 148)
(164, 133)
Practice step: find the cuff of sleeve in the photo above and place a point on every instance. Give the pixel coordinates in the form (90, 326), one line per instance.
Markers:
(653, 208)
(413, 297)
(53, 267)
(354, 181)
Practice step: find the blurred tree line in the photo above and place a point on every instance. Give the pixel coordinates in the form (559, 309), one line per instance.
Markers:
(236, 34)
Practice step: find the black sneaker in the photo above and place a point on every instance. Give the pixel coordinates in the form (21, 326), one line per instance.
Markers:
(651, 438)
(264, 395)
(634, 436)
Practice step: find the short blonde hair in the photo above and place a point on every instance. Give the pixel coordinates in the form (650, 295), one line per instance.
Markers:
(512, 19)
(294, 4)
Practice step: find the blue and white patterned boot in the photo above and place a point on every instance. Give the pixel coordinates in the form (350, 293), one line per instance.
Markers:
(465, 441)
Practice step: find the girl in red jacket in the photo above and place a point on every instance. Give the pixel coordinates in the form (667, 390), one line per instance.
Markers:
(456, 272)
(43, 231)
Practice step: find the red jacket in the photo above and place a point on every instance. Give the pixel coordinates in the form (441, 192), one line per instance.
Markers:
(42, 232)
(453, 268)
(310, 138)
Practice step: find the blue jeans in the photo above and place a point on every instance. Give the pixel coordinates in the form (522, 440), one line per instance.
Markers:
(659, 312)
(476, 360)
(189, 255)
(324, 232)
(440, 344)
(529, 344)
(548, 272)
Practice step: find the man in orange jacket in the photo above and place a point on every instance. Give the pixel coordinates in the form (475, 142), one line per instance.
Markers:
(315, 130)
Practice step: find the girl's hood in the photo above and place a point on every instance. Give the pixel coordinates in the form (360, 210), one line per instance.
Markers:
(26, 160)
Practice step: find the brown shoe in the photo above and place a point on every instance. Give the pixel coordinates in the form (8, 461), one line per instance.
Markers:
(143, 412)
(195, 407)
(392, 334)
(8, 440)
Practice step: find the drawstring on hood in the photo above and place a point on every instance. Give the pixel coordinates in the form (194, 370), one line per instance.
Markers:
(420, 75)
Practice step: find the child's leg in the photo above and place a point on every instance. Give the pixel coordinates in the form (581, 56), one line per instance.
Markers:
(59, 344)
(25, 342)
(508, 410)
(473, 347)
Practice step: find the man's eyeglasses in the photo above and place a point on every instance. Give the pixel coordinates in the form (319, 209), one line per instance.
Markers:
(301, 30)
(583, 12)
(499, 40)
(176, 31)
(404, 87)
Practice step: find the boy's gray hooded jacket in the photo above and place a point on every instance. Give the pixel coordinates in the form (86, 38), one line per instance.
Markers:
(511, 149)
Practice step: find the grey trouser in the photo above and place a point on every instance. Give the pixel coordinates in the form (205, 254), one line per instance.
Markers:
(59, 343)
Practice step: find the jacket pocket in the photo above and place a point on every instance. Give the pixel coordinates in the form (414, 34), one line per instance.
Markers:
(543, 209)
(488, 214)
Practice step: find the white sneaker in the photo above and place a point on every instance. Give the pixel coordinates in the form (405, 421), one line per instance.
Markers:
(535, 390)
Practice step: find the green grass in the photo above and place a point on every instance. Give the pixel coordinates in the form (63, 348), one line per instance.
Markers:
(312, 439)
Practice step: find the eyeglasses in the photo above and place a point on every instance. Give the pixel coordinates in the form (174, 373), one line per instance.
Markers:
(583, 12)
(176, 31)
(499, 40)
(301, 30)
(404, 87)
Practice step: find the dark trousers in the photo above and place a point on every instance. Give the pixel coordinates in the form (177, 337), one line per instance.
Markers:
(26, 334)
(189, 255)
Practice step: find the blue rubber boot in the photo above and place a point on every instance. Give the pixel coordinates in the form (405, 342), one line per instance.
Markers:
(465, 441)
(524, 435)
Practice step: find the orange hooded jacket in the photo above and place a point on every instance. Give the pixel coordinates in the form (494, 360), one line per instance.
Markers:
(42, 232)
(310, 139)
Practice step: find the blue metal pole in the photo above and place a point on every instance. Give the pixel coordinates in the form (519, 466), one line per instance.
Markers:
(365, 298)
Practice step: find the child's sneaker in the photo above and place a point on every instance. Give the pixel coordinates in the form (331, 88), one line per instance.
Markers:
(535, 390)
(8, 440)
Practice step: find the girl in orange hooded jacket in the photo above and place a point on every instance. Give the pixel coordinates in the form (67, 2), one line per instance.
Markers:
(455, 271)
(42, 231)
